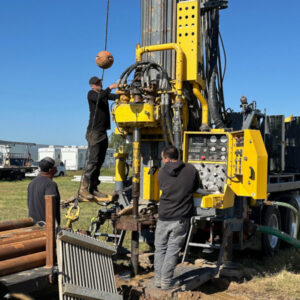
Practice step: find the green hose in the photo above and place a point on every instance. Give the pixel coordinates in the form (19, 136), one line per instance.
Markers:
(280, 234)
(294, 210)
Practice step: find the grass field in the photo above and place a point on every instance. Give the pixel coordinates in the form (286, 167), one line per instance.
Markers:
(271, 278)
(13, 198)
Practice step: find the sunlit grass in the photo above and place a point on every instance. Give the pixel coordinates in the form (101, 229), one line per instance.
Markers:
(13, 198)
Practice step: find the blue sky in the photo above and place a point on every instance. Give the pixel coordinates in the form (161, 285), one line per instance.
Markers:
(48, 49)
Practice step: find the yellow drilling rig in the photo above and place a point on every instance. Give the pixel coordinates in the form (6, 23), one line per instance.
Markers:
(173, 94)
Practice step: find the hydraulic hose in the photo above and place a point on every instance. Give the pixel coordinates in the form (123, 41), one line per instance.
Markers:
(168, 118)
(293, 209)
(280, 234)
(213, 102)
(163, 119)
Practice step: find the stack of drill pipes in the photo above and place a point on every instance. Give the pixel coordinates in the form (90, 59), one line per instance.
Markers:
(26, 247)
(19, 231)
(10, 239)
(13, 224)
(22, 246)
(22, 263)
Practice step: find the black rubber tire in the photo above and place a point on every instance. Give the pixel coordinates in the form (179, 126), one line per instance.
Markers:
(61, 174)
(270, 213)
(288, 217)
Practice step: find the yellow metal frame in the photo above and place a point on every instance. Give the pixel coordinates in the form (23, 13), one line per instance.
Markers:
(204, 105)
(150, 185)
(188, 37)
(179, 60)
(120, 157)
(219, 201)
(248, 165)
(135, 114)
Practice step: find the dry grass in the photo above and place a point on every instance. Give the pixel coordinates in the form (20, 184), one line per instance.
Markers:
(283, 285)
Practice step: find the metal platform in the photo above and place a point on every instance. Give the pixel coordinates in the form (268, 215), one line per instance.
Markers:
(283, 182)
(191, 277)
(27, 281)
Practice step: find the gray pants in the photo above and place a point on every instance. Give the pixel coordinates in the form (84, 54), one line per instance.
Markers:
(169, 239)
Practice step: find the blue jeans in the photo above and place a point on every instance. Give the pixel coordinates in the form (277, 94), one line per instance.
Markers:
(169, 239)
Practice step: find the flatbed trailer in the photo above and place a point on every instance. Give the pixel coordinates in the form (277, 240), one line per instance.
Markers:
(15, 172)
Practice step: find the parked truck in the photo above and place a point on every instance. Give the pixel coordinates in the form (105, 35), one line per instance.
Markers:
(13, 164)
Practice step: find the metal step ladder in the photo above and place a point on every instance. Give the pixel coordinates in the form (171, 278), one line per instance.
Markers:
(208, 245)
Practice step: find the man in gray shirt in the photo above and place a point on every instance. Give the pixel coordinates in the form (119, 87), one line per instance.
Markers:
(41, 186)
(177, 181)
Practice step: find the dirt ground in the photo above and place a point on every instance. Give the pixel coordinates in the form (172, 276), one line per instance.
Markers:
(263, 278)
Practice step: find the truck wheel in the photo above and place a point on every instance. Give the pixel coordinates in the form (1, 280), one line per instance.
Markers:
(289, 218)
(271, 218)
(61, 174)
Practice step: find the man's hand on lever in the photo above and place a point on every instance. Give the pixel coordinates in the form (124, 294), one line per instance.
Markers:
(113, 86)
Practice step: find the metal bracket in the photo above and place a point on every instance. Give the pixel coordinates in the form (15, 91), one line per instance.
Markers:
(213, 4)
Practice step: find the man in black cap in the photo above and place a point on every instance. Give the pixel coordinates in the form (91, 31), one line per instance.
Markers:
(41, 186)
(96, 136)
(177, 181)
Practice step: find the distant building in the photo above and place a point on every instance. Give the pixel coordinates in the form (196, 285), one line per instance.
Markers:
(74, 157)
(109, 161)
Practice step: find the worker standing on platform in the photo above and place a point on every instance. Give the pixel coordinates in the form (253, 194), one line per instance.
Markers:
(41, 186)
(178, 181)
(96, 136)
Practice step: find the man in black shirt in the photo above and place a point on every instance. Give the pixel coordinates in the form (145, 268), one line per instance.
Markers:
(96, 136)
(41, 186)
(177, 181)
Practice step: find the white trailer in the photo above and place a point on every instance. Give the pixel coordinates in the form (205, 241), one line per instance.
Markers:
(51, 151)
(73, 157)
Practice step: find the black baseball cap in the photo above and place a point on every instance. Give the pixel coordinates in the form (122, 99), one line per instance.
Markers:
(47, 163)
(95, 80)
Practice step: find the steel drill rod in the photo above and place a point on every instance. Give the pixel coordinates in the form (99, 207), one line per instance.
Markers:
(21, 238)
(20, 231)
(22, 263)
(135, 197)
(50, 230)
(14, 224)
(135, 252)
(136, 157)
(22, 248)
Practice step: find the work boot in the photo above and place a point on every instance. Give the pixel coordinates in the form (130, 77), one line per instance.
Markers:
(84, 192)
(94, 191)
(171, 285)
(157, 282)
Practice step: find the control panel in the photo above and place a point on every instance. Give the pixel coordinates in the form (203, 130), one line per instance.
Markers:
(207, 147)
(208, 152)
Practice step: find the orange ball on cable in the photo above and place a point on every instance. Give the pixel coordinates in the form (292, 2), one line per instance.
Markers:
(104, 59)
